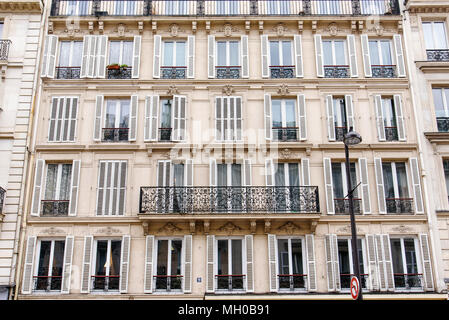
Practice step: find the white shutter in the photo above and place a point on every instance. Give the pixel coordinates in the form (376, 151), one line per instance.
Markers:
(379, 118)
(298, 56)
(67, 268)
(269, 172)
(427, 267)
(349, 111)
(75, 183)
(212, 172)
(381, 263)
(133, 118)
(247, 172)
(366, 56)
(302, 121)
(191, 57)
(27, 282)
(72, 118)
(272, 263)
(98, 117)
(47, 44)
(311, 263)
(330, 118)
(148, 276)
(102, 48)
(210, 56)
(92, 56)
(124, 263)
(363, 167)
(103, 166)
(329, 186)
(121, 187)
(267, 115)
(335, 262)
(38, 186)
(400, 65)
(219, 121)
(189, 173)
(53, 122)
(157, 57)
(319, 56)
(352, 55)
(380, 186)
(188, 263)
(244, 56)
(137, 44)
(388, 261)
(87, 259)
(179, 118)
(85, 57)
(305, 171)
(416, 182)
(210, 267)
(372, 262)
(238, 118)
(265, 54)
(249, 263)
(328, 244)
(399, 117)
(151, 117)
(51, 56)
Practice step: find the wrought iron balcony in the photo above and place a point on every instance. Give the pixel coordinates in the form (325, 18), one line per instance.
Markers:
(285, 133)
(47, 283)
(55, 208)
(438, 55)
(391, 134)
(399, 206)
(165, 134)
(68, 72)
(230, 282)
(2, 199)
(340, 133)
(105, 283)
(4, 49)
(173, 72)
(342, 206)
(336, 72)
(115, 134)
(121, 73)
(167, 282)
(278, 72)
(443, 124)
(408, 281)
(383, 71)
(203, 200)
(345, 280)
(231, 72)
(292, 282)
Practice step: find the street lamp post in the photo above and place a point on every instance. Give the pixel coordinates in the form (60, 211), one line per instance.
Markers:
(352, 138)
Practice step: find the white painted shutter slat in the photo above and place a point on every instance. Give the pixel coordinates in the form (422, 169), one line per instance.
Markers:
(363, 167)
(27, 282)
(85, 57)
(379, 118)
(352, 55)
(372, 262)
(388, 261)
(151, 118)
(212, 172)
(335, 262)
(45, 54)
(349, 111)
(244, 56)
(72, 117)
(329, 263)
(298, 56)
(38, 186)
(416, 182)
(87, 258)
(98, 116)
(191, 57)
(399, 117)
(272, 263)
(238, 113)
(366, 56)
(157, 57)
(210, 267)
(319, 56)
(102, 46)
(302, 121)
(121, 191)
(75, 183)
(211, 56)
(305, 172)
(189, 173)
(92, 56)
(265, 54)
(426, 261)
(148, 276)
(67, 268)
(53, 118)
(330, 118)
(380, 186)
(400, 64)
(52, 49)
(381, 263)
(311, 263)
(249, 263)
(267, 115)
(133, 118)
(188, 263)
(329, 185)
(269, 172)
(137, 44)
(124, 263)
(179, 117)
(247, 172)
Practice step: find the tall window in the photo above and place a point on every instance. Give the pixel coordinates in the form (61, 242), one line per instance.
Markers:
(397, 195)
(446, 174)
(346, 263)
(228, 58)
(230, 259)
(382, 65)
(291, 264)
(390, 119)
(107, 265)
(406, 269)
(176, 7)
(227, 7)
(121, 52)
(436, 40)
(335, 59)
(278, 6)
(174, 60)
(340, 118)
(229, 180)
(284, 119)
(287, 192)
(69, 63)
(165, 125)
(441, 102)
(116, 121)
(168, 271)
(111, 187)
(50, 265)
(125, 7)
(228, 117)
(341, 189)
(281, 59)
(57, 189)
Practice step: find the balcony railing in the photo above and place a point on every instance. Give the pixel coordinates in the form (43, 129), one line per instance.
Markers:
(278, 72)
(340, 133)
(292, 282)
(224, 8)
(438, 55)
(47, 283)
(2, 199)
(399, 206)
(336, 72)
(105, 283)
(173, 72)
(4, 49)
(230, 282)
(391, 134)
(225, 72)
(167, 282)
(122, 73)
(68, 72)
(345, 280)
(383, 71)
(115, 134)
(55, 208)
(285, 133)
(408, 281)
(165, 134)
(182, 200)
(443, 124)
(342, 206)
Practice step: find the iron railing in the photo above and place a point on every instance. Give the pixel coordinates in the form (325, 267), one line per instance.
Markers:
(336, 72)
(168, 282)
(165, 134)
(230, 282)
(408, 281)
(121, 73)
(345, 280)
(438, 55)
(47, 283)
(391, 134)
(292, 282)
(285, 133)
(399, 205)
(173, 72)
(4, 49)
(278, 72)
(225, 72)
(105, 283)
(182, 200)
(115, 134)
(383, 71)
(54, 208)
(443, 124)
(2, 199)
(68, 72)
(342, 206)
(340, 133)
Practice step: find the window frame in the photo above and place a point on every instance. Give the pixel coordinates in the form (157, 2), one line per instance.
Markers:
(344, 178)
(244, 271)
(228, 53)
(117, 113)
(228, 134)
(121, 51)
(155, 259)
(379, 51)
(395, 178)
(386, 112)
(432, 35)
(284, 111)
(71, 53)
(93, 270)
(281, 52)
(286, 166)
(444, 100)
(58, 179)
(290, 261)
(50, 265)
(333, 53)
(174, 59)
(338, 119)
(229, 167)
(365, 262)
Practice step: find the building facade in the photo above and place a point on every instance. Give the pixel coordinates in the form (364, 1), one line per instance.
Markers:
(193, 149)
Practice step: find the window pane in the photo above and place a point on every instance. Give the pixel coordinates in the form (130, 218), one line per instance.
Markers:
(274, 53)
(64, 54)
(176, 246)
(410, 256)
(58, 258)
(290, 116)
(102, 249)
(340, 53)
(222, 180)
(327, 53)
(353, 177)
(297, 257)
(168, 54)
(180, 54)
(428, 35)
(439, 30)
(77, 54)
(360, 251)
(276, 113)
(293, 174)
(438, 102)
(237, 257)
(116, 246)
(166, 113)
(44, 258)
(343, 257)
(287, 53)
(389, 113)
(234, 53)
(127, 56)
(222, 257)
(337, 180)
(339, 112)
(283, 262)
(64, 188)
(396, 255)
(162, 254)
(221, 53)
(1, 29)
(446, 174)
(402, 179)
(50, 184)
(374, 53)
(110, 114)
(114, 52)
(178, 174)
(236, 175)
(124, 114)
(279, 175)
(386, 52)
(388, 180)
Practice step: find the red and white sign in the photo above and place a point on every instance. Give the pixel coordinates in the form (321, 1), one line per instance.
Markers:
(355, 287)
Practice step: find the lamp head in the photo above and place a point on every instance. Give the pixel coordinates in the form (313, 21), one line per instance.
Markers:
(352, 138)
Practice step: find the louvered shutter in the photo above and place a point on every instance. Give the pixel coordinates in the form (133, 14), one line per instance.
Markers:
(151, 117)
(272, 263)
(87, 259)
(101, 190)
(67, 268)
(298, 56)
(388, 261)
(305, 171)
(133, 118)
(330, 118)
(238, 118)
(427, 267)
(191, 57)
(211, 56)
(416, 182)
(247, 172)
(244, 56)
(53, 118)
(188, 263)
(38, 186)
(372, 262)
(267, 115)
(219, 121)
(27, 283)
(85, 57)
(379, 118)
(349, 111)
(269, 172)
(399, 117)
(47, 43)
(157, 57)
(75, 183)
(49, 56)
(121, 190)
(335, 262)
(124, 263)
(212, 172)
(366, 56)
(210, 267)
(311, 263)
(265, 54)
(380, 186)
(328, 244)
(137, 44)
(381, 263)
(179, 118)
(102, 46)
(352, 55)
(98, 116)
(72, 118)
(329, 185)
(319, 56)
(148, 276)
(249, 263)
(363, 167)
(302, 120)
(400, 65)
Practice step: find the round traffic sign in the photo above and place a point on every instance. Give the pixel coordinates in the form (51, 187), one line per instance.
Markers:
(355, 287)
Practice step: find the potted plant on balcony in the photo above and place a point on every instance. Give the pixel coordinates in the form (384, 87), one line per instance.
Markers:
(123, 67)
(113, 66)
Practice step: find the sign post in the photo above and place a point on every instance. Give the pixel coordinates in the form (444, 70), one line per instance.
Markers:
(355, 287)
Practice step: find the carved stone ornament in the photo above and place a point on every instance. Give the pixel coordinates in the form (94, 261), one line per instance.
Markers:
(229, 228)
(403, 229)
(228, 30)
(192, 227)
(283, 90)
(280, 29)
(253, 226)
(52, 231)
(206, 226)
(169, 228)
(289, 227)
(121, 29)
(71, 29)
(333, 29)
(286, 153)
(172, 90)
(108, 231)
(228, 90)
(347, 229)
(267, 227)
(174, 29)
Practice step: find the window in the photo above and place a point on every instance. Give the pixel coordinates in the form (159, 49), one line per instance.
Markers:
(406, 269)
(346, 263)
(63, 114)
(50, 265)
(57, 190)
(396, 189)
(281, 59)
(176, 7)
(168, 261)
(389, 119)
(125, 7)
(436, 40)
(165, 125)
(229, 273)
(228, 59)
(107, 265)
(341, 189)
(121, 52)
(441, 102)
(284, 116)
(69, 63)
(111, 188)
(227, 7)
(446, 175)
(228, 115)
(229, 182)
(77, 8)
(381, 57)
(291, 264)
(174, 62)
(116, 120)
(287, 191)
(278, 6)
(340, 118)
(335, 59)
(330, 7)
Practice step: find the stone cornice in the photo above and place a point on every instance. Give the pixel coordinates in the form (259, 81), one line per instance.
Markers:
(24, 6)
(433, 66)
(437, 137)
(427, 6)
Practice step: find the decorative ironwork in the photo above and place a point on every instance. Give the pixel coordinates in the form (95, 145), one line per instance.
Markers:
(340, 133)
(181, 200)
(286, 134)
(224, 72)
(342, 206)
(356, 10)
(68, 72)
(336, 71)
(438, 55)
(168, 282)
(173, 72)
(54, 208)
(165, 134)
(345, 280)
(147, 7)
(4, 49)
(383, 71)
(230, 282)
(278, 72)
(253, 7)
(105, 283)
(47, 283)
(307, 7)
(292, 281)
(399, 206)
(408, 281)
(2, 199)
(391, 134)
(443, 124)
(122, 73)
(115, 134)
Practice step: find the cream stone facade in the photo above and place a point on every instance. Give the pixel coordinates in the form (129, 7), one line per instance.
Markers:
(132, 161)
